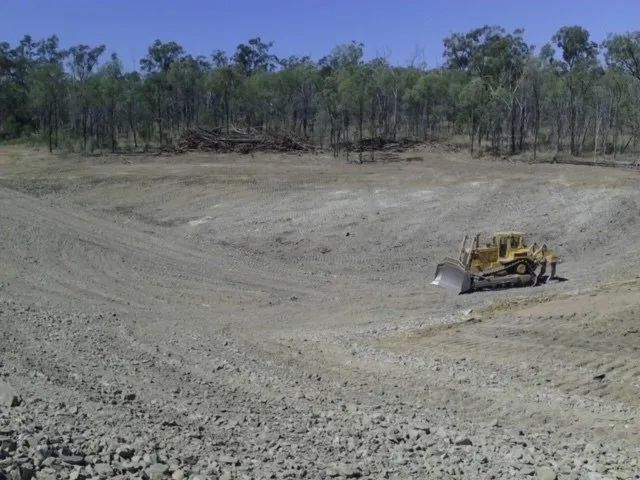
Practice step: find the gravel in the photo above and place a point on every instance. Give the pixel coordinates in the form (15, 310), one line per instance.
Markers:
(207, 317)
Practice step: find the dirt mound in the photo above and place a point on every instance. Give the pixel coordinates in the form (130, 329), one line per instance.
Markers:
(215, 140)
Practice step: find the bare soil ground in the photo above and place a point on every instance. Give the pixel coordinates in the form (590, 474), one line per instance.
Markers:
(270, 316)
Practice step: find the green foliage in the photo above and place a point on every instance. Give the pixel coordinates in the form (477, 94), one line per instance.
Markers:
(160, 56)
(343, 56)
(623, 53)
(254, 57)
(577, 50)
(492, 87)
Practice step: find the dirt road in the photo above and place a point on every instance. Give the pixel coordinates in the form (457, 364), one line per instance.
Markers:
(270, 316)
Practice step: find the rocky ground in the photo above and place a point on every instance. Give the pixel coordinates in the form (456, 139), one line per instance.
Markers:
(270, 316)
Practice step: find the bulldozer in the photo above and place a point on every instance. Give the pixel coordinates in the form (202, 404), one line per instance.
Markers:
(505, 262)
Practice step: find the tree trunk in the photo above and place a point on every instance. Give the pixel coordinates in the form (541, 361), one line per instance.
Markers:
(558, 133)
(131, 126)
(84, 130)
(113, 131)
(595, 141)
(56, 123)
(304, 123)
(614, 134)
(332, 138)
(536, 128)
(584, 137)
(373, 127)
(513, 126)
(572, 117)
(50, 129)
(395, 113)
(360, 121)
(522, 129)
(473, 135)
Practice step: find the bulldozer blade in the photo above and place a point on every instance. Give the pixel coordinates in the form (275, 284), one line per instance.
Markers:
(452, 275)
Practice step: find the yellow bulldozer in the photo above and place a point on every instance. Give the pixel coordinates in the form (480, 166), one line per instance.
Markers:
(505, 262)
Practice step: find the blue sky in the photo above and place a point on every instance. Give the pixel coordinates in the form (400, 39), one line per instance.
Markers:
(399, 30)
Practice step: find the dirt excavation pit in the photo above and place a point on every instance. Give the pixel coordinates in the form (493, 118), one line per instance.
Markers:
(270, 316)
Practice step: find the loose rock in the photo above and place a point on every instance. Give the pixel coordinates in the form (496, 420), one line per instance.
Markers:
(8, 396)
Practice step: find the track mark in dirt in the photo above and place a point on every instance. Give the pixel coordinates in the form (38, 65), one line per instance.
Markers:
(200, 221)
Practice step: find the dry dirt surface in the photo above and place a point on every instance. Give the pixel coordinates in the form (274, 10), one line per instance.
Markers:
(271, 316)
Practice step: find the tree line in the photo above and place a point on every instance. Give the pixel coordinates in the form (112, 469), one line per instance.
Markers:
(494, 89)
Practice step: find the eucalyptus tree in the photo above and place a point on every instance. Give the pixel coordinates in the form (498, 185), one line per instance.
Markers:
(185, 82)
(135, 114)
(222, 82)
(474, 99)
(497, 59)
(354, 84)
(329, 99)
(111, 79)
(622, 52)
(622, 55)
(579, 61)
(10, 94)
(254, 56)
(157, 92)
(16, 118)
(299, 84)
(384, 92)
(339, 71)
(48, 83)
(82, 61)
(532, 85)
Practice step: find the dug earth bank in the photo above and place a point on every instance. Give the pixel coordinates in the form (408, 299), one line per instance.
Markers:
(270, 316)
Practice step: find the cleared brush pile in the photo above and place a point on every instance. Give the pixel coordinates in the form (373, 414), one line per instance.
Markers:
(215, 140)
(380, 144)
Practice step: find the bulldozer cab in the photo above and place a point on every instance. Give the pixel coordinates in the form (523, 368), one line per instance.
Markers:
(507, 242)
